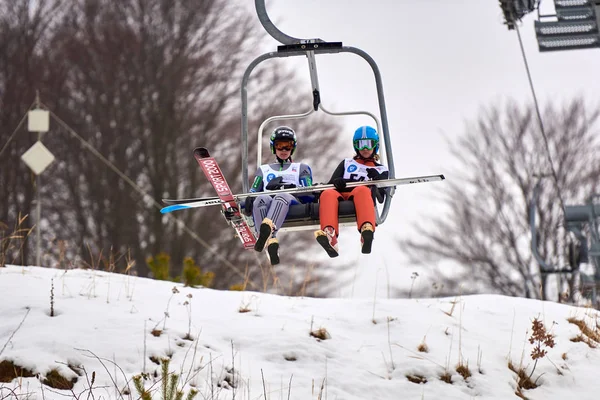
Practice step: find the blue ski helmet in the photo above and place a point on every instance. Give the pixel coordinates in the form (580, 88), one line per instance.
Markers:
(283, 133)
(366, 137)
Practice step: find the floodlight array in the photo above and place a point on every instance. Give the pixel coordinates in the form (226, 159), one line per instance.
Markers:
(575, 27)
(569, 44)
(561, 28)
(575, 14)
(571, 3)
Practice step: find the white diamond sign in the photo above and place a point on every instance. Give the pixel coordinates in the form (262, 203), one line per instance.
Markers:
(38, 157)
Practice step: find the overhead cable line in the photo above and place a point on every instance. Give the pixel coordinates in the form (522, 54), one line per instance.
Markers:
(135, 187)
(540, 121)
(147, 196)
(16, 129)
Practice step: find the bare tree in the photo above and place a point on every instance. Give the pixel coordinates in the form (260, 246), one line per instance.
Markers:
(486, 227)
(24, 30)
(142, 83)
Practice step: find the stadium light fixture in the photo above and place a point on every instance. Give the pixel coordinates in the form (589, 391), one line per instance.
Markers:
(573, 26)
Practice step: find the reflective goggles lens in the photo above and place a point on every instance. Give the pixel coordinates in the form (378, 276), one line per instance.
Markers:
(287, 145)
(365, 144)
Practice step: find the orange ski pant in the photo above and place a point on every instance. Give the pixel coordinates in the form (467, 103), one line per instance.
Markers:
(363, 203)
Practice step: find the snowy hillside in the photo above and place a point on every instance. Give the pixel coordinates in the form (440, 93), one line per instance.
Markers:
(108, 328)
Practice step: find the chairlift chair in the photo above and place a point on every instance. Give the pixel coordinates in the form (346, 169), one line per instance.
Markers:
(306, 216)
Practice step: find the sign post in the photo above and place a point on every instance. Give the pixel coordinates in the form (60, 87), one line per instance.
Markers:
(38, 158)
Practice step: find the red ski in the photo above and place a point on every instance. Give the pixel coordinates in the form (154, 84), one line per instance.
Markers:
(231, 210)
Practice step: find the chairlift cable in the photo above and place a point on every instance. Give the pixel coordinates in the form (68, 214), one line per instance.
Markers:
(540, 121)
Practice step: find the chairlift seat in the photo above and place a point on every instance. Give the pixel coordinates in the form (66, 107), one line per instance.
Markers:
(306, 216)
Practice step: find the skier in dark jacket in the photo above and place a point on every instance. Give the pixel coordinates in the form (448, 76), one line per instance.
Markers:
(270, 210)
(364, 166)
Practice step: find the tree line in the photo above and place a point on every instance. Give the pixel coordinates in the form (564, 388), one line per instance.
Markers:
(142, 83)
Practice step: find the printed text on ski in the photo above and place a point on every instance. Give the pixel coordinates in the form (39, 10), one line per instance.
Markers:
(215, 176)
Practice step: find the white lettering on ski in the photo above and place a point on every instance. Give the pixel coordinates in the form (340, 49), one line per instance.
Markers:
(216, 177)
(245, 236)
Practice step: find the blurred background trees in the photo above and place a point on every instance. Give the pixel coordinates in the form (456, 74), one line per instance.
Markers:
(501, 157)
(142, 83)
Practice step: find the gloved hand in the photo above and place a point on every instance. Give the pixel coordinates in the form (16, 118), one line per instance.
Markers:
(378, 193)
(275, 183)
(248, 204)
(339, 183)
(373, 174)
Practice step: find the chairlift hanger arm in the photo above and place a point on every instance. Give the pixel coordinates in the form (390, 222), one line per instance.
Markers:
(309, 47)
(271, 29)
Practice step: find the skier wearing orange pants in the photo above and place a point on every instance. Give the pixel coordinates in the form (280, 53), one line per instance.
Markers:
(363, 166)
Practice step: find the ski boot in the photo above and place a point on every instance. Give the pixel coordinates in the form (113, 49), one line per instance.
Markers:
(328, 240)
(273, 251)
(264, 233)
(366, 237)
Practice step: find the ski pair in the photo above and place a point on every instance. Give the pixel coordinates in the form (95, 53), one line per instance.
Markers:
(230, 208)
(183, 204)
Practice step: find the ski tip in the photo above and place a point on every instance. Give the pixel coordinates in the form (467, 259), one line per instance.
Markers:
(201, 152)
(442, 177)
(174, 207)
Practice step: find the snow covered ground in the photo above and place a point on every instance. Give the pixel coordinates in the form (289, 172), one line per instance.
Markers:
(108, 328)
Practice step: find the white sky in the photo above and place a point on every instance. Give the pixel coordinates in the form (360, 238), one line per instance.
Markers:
(108, 317)
(441, 61)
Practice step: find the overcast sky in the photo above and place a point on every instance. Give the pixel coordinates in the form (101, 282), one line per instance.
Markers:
(441, 61)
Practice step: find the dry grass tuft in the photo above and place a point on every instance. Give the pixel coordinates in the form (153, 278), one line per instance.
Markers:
(542, 340)
(418, 379)
(584, 339)
(244, 309)
(320, 334)
(248, 304)
(449, 313)
(446, 377)
(523, 379)
(463, 370)
(589, 336)
(564, 356)
(13, 243)
(155, 360)
(55, 380)
(423, 348)
(78, 369)
(156, 332)
(520, 394)
(9, 371)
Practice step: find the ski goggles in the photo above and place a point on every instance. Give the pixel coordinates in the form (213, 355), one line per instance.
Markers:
(287, 145)
(365, 144)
